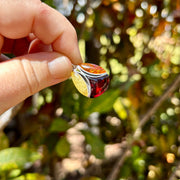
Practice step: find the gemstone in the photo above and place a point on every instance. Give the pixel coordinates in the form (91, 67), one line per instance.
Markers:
(90, 80)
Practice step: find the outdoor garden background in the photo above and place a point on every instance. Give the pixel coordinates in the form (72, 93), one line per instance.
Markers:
(131, 132)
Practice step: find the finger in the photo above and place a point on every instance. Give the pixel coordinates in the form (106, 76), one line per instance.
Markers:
(16, 17)
(22, 46)
(46, 23)
(52, 27)
(15, 46)
(38, 46)
(35, 72)
(1, 42)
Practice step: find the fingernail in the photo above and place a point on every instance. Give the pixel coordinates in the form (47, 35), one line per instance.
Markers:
(60, 68)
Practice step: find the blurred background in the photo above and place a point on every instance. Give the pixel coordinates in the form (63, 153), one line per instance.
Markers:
(132, 131)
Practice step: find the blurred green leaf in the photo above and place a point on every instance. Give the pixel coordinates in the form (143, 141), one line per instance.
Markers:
(51, 140)
(134, 119)
(59, 125)
(14, 173)
(97, 145)
(17, 158)
(34, 176)
(120, 109)
(30, 176)
(49, 2)
(101, 104)
(4, 142)
(139, 164)
(135, 151)
(62, 147)
(68, 102)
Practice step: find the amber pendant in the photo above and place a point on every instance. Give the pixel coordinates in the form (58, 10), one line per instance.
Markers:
(90, 80)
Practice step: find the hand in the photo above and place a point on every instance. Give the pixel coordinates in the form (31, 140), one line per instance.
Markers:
(45, 46)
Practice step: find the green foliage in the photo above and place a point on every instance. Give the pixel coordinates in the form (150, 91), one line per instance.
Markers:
(83, 106)
(96, 144)
(59, 125)
(49, 2)
(137, 162)
(30, 176)
(16, 159)
(137, 42)
(62, 147)
(102, 104)
(4, 142)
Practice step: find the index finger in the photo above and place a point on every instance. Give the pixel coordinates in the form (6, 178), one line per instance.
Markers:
(19, 18)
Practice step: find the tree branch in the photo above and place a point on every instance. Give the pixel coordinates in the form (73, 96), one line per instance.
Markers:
(116, 168)
(84, 23)
(74, 7)
(158, 103)
(122, 157)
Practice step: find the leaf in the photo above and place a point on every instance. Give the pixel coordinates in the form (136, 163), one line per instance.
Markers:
(51, 141)
(49, 2)
(14, 173)
(120, 109)
(67, 100)
(63, 147)
(97, 145)
(83, 106)
(59, 125)
(30, 176)
(17, 158)
(4, 142)
(34, 176)
(134, 119)
(102, 104)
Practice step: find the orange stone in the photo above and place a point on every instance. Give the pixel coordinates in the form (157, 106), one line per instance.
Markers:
(92, 68)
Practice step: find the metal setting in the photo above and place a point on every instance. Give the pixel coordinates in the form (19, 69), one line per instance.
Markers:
(91, 80)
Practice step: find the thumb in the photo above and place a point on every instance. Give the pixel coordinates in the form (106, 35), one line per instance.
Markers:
(25, 75)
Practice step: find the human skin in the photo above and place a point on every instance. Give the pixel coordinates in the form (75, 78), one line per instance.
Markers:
(44, 44)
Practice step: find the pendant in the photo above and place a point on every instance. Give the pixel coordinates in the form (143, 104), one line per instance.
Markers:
(90, 80)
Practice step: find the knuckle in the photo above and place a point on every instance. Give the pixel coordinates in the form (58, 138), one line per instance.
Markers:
(30, 76)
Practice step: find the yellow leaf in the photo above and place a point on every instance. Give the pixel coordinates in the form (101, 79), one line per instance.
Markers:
(119, 109)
